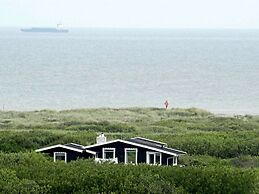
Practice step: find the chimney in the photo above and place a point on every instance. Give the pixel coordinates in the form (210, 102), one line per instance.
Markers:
(100, 139)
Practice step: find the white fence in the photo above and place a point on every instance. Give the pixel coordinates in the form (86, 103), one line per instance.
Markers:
(101, 160)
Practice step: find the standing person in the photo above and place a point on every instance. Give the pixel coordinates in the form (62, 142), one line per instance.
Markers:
(166, 104)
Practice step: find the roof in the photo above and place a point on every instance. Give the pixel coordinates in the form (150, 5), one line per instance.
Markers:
(150, 142)
(137, 141)
(70, 146)
(74, 145)
(144, 143)
(154, 144)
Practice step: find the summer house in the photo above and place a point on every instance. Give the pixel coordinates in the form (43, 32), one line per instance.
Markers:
(131, 151)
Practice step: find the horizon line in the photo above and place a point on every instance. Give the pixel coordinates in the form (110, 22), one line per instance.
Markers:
(166, 28)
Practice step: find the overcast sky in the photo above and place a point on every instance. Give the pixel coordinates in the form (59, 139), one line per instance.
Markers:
(131, 13)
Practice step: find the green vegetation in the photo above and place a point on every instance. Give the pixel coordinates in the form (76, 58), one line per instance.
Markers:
(223, 151)
(37, 174)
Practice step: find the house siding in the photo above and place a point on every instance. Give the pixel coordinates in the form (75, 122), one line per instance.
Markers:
(120, 153)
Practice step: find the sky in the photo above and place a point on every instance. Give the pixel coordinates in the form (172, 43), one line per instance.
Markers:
(131, 13)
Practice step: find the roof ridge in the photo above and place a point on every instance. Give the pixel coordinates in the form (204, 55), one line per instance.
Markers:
(97, 144)
(74, 144)
(175, 150)
(58, 145)
(150, 140)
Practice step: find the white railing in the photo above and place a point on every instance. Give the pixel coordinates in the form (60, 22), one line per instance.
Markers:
(101, 160)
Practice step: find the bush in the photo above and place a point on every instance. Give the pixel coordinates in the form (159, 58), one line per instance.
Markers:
(84, 176)
(11, 184)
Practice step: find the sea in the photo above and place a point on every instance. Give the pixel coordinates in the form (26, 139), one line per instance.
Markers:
(212, 69)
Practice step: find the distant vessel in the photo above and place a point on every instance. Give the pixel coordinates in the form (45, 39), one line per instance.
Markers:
(59, 28)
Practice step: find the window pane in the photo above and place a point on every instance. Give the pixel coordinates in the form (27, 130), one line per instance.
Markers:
(60, 156)
(108, 154)
(157, 159)
(169, 161)
(151, 158)
(131, 156)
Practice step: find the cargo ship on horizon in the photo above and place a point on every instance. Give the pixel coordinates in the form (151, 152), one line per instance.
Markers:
(58, 29)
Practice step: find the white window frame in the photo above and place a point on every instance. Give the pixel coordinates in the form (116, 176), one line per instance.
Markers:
(126, 156)
(55, 155)
(109, 149)
(154, 153)
(175, 160)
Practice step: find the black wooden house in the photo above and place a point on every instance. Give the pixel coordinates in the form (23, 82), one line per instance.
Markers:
(131, 151)
(67, 152)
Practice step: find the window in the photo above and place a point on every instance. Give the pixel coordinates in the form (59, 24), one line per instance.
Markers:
(131, 155)
(60, 156)
(172, 161)
(154, 158)
(108, 153)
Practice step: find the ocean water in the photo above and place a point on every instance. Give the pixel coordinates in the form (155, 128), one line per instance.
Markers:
(216, 70)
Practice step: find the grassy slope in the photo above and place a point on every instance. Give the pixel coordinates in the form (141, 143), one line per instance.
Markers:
(136, 116)
(141, 118)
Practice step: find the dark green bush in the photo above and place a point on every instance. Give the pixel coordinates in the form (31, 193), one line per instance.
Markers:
(84, 176)
(11, 184)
